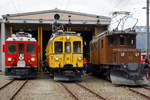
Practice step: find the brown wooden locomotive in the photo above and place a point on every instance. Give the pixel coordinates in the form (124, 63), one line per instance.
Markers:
(114, 54)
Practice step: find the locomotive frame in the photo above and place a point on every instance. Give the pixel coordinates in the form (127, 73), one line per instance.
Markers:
(21, 56)
(62, 64)
(114, 55)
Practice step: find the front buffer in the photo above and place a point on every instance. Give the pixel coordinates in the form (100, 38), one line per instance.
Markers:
(129, 74)
(68, 76)
(19, 72)
(68, 73)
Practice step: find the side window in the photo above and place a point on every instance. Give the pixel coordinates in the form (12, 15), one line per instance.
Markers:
(67, 47)
(130, 41)
(102, 43)
(122, 40)
(96, 45)
(77, 47)
(58, 47)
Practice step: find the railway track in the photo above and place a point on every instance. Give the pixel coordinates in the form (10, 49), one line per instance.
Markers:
(140, 93)
(146, 88)
(6, 84)
(74, 96)
(83, 87)
(15, 89)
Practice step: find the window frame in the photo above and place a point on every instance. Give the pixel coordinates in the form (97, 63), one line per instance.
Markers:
(34, 50)
(123, 40)
(70, 47)
(61, 47)
(19, 48)
(80, 47)
(15, 50)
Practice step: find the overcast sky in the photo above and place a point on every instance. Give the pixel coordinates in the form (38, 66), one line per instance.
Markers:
(99, 7)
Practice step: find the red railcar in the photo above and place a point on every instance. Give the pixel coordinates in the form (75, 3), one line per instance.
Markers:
(21, 52)
(143, 56)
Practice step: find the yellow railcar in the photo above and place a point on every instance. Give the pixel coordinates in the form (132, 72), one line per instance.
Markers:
(64, 56)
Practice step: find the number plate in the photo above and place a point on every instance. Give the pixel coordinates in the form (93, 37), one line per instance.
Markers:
(21, 64)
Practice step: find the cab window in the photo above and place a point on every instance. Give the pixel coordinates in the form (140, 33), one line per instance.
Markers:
(58, 47)
(67, 47)
(112, 40)
(77, 47)
(11, 48)
(30, 48)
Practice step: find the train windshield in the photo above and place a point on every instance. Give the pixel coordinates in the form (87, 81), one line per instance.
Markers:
(21, 48)
(11, 48)
(30, 48)
(67, 47)
(58, 47)
(77, 47)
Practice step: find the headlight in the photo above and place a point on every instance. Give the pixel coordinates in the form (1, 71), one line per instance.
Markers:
(32, 59)
(124, 66)
(9, 59)
(56, 58)
(67, 37)
(79, 58)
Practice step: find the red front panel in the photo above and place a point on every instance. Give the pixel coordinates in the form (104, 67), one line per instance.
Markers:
(25, 51)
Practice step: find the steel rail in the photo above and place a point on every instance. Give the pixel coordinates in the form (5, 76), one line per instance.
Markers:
(148, 97)
(6, 84)
(13, 96)
(75, 97)
(97, 95)
(146, 88)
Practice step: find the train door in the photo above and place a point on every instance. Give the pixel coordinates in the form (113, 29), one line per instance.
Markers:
(21, 51)
(68, 53)
(21, 55)
(99, 62)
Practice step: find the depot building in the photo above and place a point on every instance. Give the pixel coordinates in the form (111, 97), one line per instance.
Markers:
(39, 24)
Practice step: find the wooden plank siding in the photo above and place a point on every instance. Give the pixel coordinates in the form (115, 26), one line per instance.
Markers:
(114, 54)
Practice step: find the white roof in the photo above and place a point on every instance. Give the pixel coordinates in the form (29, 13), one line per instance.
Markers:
(15, 38)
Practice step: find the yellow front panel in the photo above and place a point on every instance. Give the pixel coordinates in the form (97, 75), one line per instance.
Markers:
(76, 61)
(64, 58)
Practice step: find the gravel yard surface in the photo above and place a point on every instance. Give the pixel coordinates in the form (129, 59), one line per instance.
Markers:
(109, 91)
(3, 79)
(81, 93)
(7, 92)
(45, 88)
